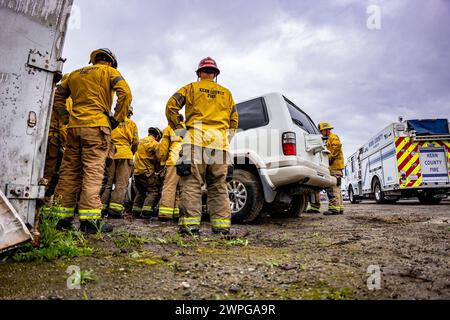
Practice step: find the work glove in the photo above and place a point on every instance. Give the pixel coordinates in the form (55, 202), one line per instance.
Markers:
(63, 116)
(184, 168)
(339, 181)
(181, 130)
(114, 123)
(162, 173)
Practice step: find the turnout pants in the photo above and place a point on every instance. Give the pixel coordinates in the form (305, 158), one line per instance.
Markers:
(82, 172)
(170, 198)
(336, 200)
(315, 205)
(118, 175)
(146, 188)
(210, 165)
(51, 157)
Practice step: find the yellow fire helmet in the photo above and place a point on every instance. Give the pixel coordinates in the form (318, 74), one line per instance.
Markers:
(154, 130)
(105, 52)
(325, 126)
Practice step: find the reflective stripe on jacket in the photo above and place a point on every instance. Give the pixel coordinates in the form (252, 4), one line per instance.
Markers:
(210, 113)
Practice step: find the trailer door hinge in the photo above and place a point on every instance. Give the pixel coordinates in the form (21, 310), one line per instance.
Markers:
(15, 191)
(44, 62)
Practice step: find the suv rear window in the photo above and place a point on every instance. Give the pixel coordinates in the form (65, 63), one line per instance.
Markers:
(252, 114)
(301, 119)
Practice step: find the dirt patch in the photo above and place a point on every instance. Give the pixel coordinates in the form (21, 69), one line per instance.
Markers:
(313, 257)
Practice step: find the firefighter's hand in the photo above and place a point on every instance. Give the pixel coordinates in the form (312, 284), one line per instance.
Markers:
(63, 116)
(184, 169)
(162, 173)
(181, 130)
(114, 122)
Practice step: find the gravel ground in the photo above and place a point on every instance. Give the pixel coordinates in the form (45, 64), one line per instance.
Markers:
(312, 257)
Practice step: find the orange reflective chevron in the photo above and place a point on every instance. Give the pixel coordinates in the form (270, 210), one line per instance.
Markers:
(408, 159)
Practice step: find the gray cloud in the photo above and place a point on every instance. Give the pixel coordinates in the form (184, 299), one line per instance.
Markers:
(319, 54)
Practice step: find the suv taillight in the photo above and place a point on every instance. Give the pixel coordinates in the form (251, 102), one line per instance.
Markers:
(289, 144)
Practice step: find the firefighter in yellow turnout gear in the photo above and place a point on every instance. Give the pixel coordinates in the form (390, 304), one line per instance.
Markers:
(88, 137)
(146, 164)
(336, 158)
(210, 115)
(126, 140)
(169, 152)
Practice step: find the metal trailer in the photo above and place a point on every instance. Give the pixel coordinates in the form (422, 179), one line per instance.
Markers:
(406, 159)
(31, 43)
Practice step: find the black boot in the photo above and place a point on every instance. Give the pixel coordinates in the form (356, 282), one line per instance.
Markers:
(331, 213)
(312, 211)
(146, 214)
(183, 231)
(64, 225)
(136, 213)
(222, 232)
(105, 213)
(95, 226)
(114, 215)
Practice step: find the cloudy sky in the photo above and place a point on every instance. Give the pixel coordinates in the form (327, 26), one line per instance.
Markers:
(320, 54)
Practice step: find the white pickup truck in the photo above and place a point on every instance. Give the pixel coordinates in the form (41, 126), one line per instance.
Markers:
(279, 159)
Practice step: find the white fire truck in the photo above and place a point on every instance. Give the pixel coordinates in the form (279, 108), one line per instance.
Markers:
(407, 159)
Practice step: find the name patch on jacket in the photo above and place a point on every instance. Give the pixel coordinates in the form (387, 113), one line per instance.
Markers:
(212, 94)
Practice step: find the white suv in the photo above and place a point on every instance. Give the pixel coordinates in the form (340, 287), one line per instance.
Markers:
(279, 159)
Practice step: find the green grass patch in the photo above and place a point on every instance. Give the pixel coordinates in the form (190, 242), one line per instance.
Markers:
(179, 240)
(327, 294)
(123, 239)
(54, 244)
(146, 258)
(87, 276)
(82, 277)
(238, 242)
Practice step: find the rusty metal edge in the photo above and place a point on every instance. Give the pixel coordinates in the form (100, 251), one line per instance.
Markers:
(17, 216)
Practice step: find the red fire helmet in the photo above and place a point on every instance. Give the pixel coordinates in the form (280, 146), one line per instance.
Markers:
(208, 63)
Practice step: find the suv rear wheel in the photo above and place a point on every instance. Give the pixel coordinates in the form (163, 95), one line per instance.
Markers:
(297, 207)
(246, 196)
